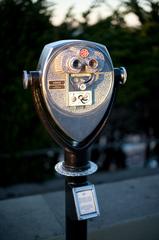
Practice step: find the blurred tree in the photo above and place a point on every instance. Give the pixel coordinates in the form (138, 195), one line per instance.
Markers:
(25, 29)
(143, 74)
(138, 50)
(144, 16)
(134, 6)
(68, 26)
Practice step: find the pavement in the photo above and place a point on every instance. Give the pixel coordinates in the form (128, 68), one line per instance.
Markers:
(57, 183)
(129, 209)
(139, 229)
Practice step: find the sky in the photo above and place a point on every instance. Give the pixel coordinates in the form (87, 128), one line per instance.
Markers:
(61, 7)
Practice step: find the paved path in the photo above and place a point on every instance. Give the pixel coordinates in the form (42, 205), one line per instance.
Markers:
(41, 217)
(57, 184)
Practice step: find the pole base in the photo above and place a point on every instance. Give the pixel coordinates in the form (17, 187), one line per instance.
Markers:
(60, 168)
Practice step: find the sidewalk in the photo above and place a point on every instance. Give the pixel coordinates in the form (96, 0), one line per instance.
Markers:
(127, 207)
(144, 228)
(57, 184)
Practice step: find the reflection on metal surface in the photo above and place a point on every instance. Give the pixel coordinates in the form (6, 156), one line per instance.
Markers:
(123, 75)
(59, 167)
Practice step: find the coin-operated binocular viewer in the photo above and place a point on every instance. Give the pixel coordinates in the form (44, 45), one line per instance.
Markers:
(73, 90)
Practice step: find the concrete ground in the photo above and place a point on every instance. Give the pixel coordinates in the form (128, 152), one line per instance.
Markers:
(57, 184)
(144, 228)
(129, 210)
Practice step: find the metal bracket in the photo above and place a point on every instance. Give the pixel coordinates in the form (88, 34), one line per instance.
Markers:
(60, 168)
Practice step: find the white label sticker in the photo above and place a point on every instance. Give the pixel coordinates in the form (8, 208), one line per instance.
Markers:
(80, 98)
(86, 202)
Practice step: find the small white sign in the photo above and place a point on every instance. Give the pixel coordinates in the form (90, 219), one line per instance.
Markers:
(86, 202)
(80, 98)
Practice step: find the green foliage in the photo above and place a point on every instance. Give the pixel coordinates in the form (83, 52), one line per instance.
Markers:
(25, 28)
(138, 50)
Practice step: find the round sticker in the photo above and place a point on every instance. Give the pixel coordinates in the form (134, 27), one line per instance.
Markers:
(84, 52)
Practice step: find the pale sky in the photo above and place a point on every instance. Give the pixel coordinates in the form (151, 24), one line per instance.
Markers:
(79, 6)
